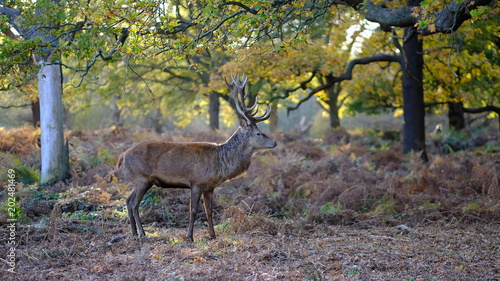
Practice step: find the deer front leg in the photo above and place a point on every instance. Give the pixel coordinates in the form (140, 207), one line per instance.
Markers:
(133, 204)
(207, 202)
(131, 199)
(193, 207)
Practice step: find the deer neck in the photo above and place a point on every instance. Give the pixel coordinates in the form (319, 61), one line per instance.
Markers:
(234, 155)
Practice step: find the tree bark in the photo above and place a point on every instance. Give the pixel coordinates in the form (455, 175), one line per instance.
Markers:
(456, 117)
(273, 119)
(413, 93)
(35, 112)
(54, 152)
(117, 111)
(213, 110)
(446, 20)
(55, 163)
(333, 96)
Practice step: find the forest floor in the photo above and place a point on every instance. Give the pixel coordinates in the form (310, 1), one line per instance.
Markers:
(346, 207)
(271, 250)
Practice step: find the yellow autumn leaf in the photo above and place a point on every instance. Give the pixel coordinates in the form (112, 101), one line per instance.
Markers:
(431, 27)
(415, 11)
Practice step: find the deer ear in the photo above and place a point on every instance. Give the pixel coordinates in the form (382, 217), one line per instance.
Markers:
(243, 123)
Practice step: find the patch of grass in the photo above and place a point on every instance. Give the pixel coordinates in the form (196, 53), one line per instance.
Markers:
(385, 207)
(27, 175)
(82, 215)
(428, 206)
(24, 174)
(331, 209)
(45, 195)
(354, 270)
(119, 213)
(88, 158)
(223, 226)
(474, 207)
(151, 199)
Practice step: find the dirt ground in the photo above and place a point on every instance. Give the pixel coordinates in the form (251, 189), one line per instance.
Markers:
(348, 207)
(259, 248)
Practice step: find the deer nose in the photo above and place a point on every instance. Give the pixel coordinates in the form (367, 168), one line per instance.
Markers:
(274, 145)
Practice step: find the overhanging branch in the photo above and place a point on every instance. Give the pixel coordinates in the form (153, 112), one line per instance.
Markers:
(487, 108)
(302, 85)
(9, 12)
(446, 20)
(120, 41)
(375, 58)
(241, 5)
(347, 75)
(330, 82)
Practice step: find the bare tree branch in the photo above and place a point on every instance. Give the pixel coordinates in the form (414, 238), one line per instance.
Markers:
(483, 109)
(375, 58)
(347, 75)
(12, 15)
(311, 92)
(219, 24)
(241, 5)
(9, 12)
(302, 85)
(120, 41)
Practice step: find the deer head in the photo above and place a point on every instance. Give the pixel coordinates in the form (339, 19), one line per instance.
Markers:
(249, 117)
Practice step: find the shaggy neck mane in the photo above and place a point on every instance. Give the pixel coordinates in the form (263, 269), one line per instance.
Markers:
(234, 155)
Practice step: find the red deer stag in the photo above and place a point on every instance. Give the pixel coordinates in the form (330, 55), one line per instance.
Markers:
(199, 166)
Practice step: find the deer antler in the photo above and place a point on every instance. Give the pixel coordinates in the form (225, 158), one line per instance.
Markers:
(236, 86)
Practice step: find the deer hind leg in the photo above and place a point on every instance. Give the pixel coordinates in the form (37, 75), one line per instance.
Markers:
(207, 202)
(133, 206)
(193, 207)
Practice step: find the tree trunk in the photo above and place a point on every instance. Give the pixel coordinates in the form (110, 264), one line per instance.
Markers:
(413, 93)
(456, 116)
(55, 154)
(55, 160)
(117, 112)
(35, 112)
(333, 96)
(273, 118)
(213, 110)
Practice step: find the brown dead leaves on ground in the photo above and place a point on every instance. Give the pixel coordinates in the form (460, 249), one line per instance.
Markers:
(272, 249)
(340, 209)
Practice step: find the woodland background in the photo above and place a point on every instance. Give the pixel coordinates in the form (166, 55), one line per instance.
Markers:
(388, 137)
